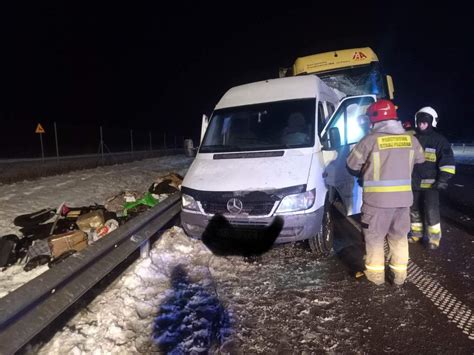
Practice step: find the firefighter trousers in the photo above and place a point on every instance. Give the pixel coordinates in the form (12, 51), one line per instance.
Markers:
(393, 223)
(425, 217)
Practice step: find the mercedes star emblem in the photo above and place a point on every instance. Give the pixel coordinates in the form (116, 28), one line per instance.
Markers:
(234, 206)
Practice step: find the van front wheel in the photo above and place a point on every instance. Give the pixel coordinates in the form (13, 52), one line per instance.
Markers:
(322, 243)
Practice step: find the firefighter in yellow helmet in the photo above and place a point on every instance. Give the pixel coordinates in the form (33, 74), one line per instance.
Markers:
(384, 161)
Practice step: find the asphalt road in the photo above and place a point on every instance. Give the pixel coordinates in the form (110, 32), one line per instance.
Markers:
(292, 302)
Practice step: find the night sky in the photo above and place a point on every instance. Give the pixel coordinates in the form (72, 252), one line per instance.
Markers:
(155, 68)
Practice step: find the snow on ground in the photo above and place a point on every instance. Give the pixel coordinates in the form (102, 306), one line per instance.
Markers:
(79, 188)
(182, 299)
(164, 303)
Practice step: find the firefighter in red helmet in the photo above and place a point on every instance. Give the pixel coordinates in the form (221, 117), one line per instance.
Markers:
(384, 161)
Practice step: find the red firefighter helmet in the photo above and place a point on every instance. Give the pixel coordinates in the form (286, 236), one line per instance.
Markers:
(382, 110)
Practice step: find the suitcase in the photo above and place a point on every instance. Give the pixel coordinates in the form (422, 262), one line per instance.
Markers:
(60, 243)
(8, 245)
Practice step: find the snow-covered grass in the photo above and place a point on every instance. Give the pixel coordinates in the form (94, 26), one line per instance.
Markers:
(80, 188)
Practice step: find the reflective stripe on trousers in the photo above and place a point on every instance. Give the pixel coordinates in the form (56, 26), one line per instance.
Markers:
(417, 227)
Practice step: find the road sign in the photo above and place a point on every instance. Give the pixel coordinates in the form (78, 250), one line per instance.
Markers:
(40, 129)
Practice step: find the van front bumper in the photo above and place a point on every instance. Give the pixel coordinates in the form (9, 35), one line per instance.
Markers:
(295, 228)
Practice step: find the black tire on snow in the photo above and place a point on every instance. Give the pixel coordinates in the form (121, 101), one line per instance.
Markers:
(322, 243)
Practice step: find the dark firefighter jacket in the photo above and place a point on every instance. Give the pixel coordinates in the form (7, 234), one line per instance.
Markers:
(439, 163)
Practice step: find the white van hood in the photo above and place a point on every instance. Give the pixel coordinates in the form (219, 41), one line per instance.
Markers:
(249, 174)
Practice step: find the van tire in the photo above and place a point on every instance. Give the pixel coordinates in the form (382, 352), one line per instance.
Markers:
(322, 243)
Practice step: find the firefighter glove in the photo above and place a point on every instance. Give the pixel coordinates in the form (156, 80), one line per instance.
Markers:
(441, 185)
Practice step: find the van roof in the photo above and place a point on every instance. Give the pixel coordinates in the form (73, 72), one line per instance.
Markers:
(274, 90)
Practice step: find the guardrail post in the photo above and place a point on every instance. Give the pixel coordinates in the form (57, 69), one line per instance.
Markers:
(145, 249)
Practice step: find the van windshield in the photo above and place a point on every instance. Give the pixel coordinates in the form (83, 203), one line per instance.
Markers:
(266, 126)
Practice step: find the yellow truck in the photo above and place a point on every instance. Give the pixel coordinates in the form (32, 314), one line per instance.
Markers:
(355, 71)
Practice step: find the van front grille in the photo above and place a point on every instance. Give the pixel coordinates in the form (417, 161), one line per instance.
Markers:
(250, 208)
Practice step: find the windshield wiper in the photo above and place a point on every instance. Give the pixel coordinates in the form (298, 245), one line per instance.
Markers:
(219, 148)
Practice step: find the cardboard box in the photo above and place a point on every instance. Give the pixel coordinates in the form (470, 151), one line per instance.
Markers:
(60, 243)
(91, 220)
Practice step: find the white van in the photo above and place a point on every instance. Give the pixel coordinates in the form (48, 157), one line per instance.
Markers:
(266, 152)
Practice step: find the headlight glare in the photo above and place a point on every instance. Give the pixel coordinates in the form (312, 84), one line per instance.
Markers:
(189, 203)
(297, 202)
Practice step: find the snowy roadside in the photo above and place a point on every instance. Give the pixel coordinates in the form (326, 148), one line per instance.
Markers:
(80, 188)
(182, 299)
(165, 302)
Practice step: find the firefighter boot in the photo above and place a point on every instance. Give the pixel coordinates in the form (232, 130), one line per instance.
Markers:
(376, 277)
(434, 236)
(416, 233)
(397, 278)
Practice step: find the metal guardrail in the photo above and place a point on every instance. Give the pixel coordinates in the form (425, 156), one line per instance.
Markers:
(463, 153)
(28, 310)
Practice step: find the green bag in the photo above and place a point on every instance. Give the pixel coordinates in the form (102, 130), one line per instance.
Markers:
(147, 200)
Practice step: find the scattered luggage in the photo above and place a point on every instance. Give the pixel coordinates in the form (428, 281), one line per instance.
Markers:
(8, 249)
(109, 226)
(75, 240)
(37, 261)
(50, 235)
(166, 184)
(61, 258)
(38, 247)
(90, 220)
(35, 218)
(116, 202)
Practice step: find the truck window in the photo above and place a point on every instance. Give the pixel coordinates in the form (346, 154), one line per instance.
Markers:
(351, 121)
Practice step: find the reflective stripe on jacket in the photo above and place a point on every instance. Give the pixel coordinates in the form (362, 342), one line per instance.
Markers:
(385, 160)
(439, 164)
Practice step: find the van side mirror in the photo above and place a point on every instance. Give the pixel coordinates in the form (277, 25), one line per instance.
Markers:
(334, 138)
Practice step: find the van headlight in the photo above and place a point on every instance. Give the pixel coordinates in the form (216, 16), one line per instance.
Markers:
(189, 203)
(298, 202)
